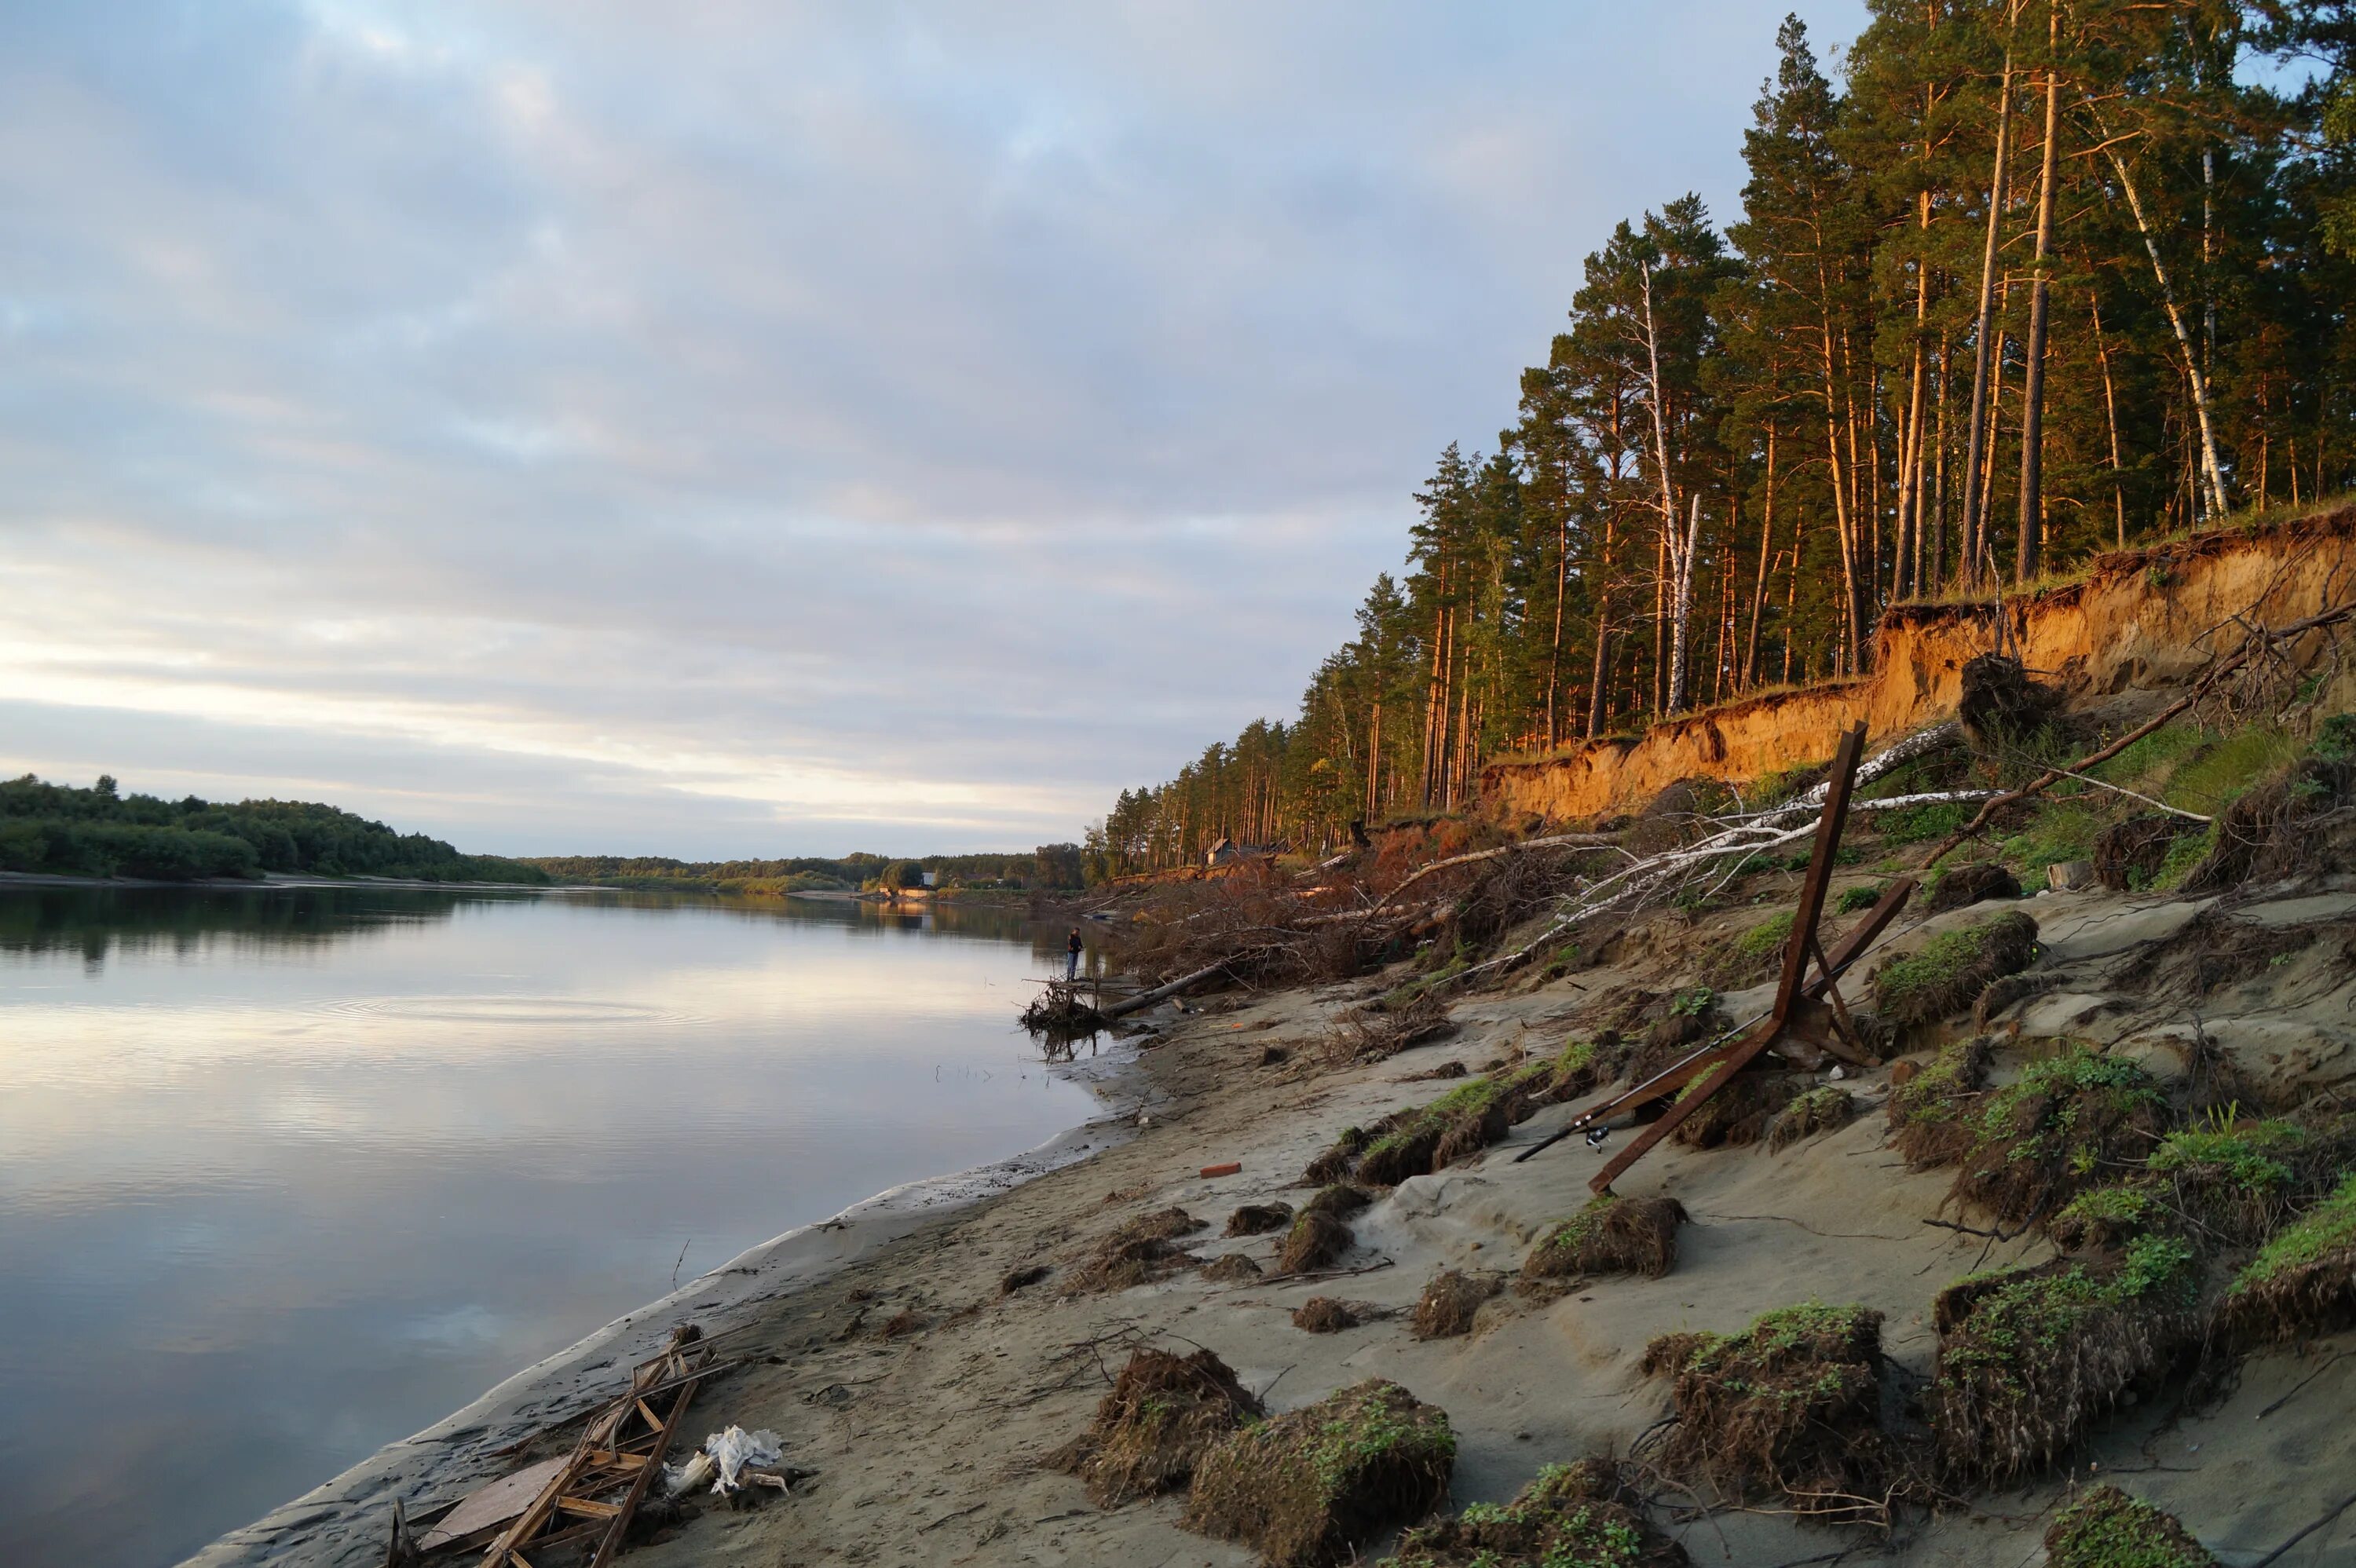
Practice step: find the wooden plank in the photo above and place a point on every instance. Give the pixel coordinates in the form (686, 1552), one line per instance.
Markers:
(588, 1508)
(654, 1422)
(488, 1506)
(620, 1525)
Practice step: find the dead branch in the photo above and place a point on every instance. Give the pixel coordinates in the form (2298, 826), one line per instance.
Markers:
(2256, 641)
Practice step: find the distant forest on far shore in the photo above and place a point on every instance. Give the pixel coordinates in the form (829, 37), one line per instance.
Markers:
(1048, 866)
(60, 830)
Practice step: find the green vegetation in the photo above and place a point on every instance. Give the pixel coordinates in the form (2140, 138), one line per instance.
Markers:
(99, 832)
(1570, 1516)
(1865, 895)
(1921, 824)
(2062, 830)
(1526, 560)
(2329, 1227)
(1768, 937)
(2104, 1527)
(1947, 972)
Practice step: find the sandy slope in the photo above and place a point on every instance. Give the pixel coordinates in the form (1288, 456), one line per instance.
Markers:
(927, 1444)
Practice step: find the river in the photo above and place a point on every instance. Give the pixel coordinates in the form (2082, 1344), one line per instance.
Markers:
(287, 1174)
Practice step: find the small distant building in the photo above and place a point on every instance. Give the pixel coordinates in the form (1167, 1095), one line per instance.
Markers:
(932, 878)
(1227, 852)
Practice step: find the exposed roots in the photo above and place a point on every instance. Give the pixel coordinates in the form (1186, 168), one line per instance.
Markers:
(2030, 1359)
(2211, 952)
(2038, 1141)
(1790, 1407)
(2298, 824)
(1972, 884)
(1318, 1237)
(1138, 1252)
(2302, 1285)
(1231, 1268)
(1450, 1301)
(1820, 1110)
(2129, 853)
(1309, 1487)
(1151, 1431)
(1368, 1034)
(1258, 1219)
(1738, 1114)
(1323, 1314)
(1929, 1114)
(1610, 1235)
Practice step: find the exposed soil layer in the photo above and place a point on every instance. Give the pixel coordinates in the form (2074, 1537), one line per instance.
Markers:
(2131, 622)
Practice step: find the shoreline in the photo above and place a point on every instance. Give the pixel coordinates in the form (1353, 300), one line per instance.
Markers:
(927, 1396)
(344, 1519)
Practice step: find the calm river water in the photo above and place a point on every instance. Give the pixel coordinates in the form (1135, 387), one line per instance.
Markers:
(286, 1175)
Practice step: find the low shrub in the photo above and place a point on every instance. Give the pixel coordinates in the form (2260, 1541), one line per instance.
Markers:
(2302, 1284)
(2038, 1141)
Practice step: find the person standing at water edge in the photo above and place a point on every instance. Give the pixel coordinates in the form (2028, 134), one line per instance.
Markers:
(1072, 955)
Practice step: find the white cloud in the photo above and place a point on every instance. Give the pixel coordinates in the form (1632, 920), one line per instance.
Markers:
(742, 428)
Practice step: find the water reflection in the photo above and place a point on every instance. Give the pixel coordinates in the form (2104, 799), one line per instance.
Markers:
(285, 1174)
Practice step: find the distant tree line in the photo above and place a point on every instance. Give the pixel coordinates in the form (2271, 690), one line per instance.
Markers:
(2034, 280)
(101, 832)
(1048, 866)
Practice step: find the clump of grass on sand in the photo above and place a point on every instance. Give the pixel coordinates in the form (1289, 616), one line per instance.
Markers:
(1610, 1235)
(2037, 1142)
(1231, 1268)
(2227, 1181)
(1928, 1114)
(1738, 1114)
(2030, 1359)
(1419, 1140)
(1959, 886)
(1307, 1488)
(1319, 1233)
(1790, 1407)
(1753, 954)
(1323, 1314)
(1258, 1219)
(2303, 1283)
(1820, 1110)
(1587, 1515)
(1334, 1162)
(1148, 1432)
(1137, 1252)
(1949, 972)
(1450, 1300)
(1577, 1069)
(2104, 1527)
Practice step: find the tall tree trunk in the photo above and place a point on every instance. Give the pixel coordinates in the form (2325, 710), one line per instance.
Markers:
(1602, 664)
(2028, 553)
(1766, 543)
(2111, 412)
(2213, 495)
(1984, 334)
(1677, 553)
(1938, 576)
(1554, 649)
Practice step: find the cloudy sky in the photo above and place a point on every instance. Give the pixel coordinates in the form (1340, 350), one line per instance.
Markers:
(734, 428)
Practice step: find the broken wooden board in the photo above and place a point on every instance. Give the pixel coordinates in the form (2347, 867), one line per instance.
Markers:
(484, 1511)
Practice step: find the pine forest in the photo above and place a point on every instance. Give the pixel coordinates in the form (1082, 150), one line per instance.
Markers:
(2012, 283)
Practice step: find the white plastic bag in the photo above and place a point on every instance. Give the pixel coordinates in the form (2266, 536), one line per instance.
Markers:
(734, 1449)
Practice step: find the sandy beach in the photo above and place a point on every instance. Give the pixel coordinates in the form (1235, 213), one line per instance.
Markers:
(890, 1359)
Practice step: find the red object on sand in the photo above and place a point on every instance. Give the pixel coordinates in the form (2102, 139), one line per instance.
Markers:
(1229, 1169)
